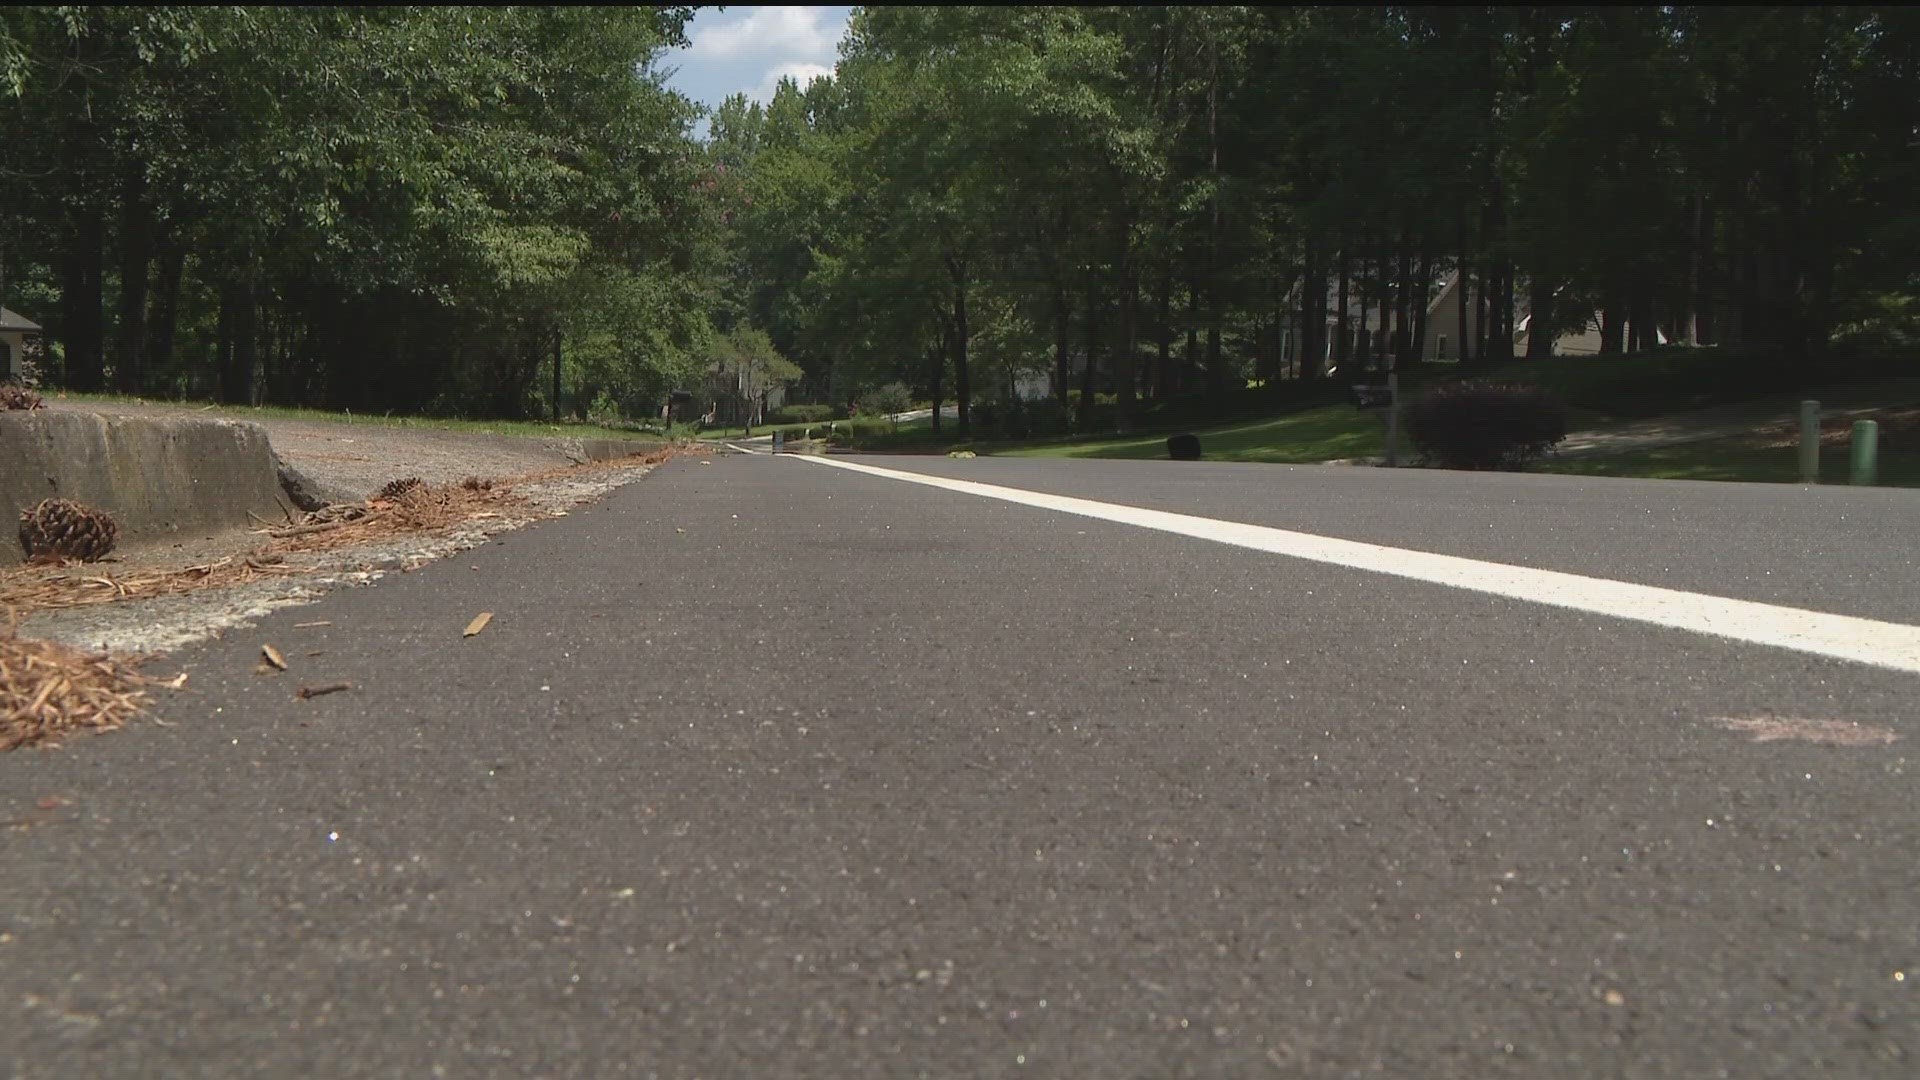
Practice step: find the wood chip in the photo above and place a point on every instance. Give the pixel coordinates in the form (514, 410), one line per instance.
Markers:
(315, 691)
(478, 624)
(273, 657)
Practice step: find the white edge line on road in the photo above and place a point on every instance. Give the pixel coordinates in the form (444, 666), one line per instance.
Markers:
(1845, 637)
(744, 450)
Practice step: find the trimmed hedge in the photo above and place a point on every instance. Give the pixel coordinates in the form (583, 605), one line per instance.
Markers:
(1486, 425)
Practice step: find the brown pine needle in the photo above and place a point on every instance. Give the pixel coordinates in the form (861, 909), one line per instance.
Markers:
(48, 690)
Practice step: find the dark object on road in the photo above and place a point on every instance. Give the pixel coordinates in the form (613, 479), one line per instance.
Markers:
(396, 488)
(475, 483)
(18, 397)
(64, 529)
(1370, 397)
(1482, 425)
(1183, 447)
(308, 692)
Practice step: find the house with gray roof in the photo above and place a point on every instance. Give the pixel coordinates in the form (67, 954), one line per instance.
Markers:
(15, 329)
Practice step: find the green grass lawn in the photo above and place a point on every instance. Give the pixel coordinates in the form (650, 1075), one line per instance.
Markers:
(517, 428)
(1335, 431)
(868, 425)
(1737, 458)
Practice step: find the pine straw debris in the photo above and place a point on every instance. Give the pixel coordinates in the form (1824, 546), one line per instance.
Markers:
(48, 690)
(37, 588)
(426, 509)
(415, 508)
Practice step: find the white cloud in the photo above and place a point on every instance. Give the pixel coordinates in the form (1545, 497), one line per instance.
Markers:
(785, 31)
(802, 73)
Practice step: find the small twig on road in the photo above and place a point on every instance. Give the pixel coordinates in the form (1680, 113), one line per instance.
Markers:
(315, 691)
(305, 530)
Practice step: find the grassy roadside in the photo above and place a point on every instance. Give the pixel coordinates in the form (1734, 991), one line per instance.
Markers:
(1742, 458)
(862, 427)
(1598, 390)
(1323, 434)
(530, 429)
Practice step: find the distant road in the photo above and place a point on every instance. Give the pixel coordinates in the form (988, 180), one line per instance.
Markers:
(775, 767)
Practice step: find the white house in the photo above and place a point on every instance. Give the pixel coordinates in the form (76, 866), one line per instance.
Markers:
(15, 329)
(1443, 326)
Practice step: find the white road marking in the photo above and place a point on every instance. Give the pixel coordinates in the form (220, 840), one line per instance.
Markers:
(742, 449)
(1845, 637)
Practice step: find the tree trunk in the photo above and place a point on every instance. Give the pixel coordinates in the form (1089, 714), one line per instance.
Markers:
(236, 343)
(1216, 365)
(1612, 305)
(1403, 303)
(1192, 374)
(1343, 340)
(558, 338)
(937, 360)
(962, 382)
(1165, 386)
(1084, 413)
(1503, 312)
(1125, 361)
(1707, 286)
(80, 296)
(1541, 319)
(166, 302)
(1482, 328)
(1422, 283)
(1216, 372)
(1461, 288)
(1313, 311)
(1687, 326)
(1062, 326)
(1641, 327)
(256, 382)
(136, 257)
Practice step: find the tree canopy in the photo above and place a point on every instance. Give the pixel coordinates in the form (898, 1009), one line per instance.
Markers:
(420, 208)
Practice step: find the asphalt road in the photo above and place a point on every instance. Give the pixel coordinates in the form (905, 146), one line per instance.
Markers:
(765, 768)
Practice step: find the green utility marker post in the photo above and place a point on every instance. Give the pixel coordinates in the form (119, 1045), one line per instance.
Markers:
(1866, 452)
(1809, 442)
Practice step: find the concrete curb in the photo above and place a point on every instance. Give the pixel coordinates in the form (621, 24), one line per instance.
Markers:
(155, 476)
(580, 451)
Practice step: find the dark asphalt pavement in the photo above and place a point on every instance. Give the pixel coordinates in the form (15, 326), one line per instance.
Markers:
(853, 777)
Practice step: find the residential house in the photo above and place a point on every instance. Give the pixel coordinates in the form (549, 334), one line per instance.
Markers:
(15, 329)
(1442, 329)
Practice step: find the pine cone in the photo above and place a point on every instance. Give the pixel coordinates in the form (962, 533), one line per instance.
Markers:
(396, 488)
(18, 397)
(475, 483)
(64, 529)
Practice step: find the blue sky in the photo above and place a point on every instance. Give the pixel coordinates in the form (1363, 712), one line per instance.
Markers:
(745, 50)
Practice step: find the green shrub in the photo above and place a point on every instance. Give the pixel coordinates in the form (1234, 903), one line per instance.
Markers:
(886, 400)
(803, 414)
(1485, 425)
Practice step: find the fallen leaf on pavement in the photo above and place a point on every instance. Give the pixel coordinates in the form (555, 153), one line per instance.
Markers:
(1801, 729)
(478, 624)
(273, 657)
(50, 802)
